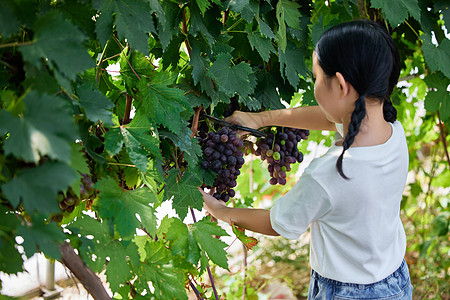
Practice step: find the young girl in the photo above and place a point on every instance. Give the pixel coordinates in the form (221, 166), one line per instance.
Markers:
(350, 197)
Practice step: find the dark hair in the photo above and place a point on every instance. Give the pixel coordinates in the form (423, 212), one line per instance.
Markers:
(365, 54)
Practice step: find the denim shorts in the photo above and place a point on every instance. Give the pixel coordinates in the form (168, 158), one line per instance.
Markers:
(395, 286)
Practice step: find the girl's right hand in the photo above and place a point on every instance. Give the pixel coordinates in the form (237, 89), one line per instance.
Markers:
(247, 119)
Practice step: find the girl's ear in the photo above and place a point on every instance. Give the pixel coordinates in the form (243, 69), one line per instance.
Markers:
(345, 86)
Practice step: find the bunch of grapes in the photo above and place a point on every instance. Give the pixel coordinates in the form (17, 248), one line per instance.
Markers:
(70, 200)
(222, 155)
(280, 150)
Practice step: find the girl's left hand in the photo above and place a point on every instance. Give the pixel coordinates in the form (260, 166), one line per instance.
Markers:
(211, 204)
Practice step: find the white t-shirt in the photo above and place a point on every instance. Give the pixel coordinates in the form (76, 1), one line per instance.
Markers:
(356, 232)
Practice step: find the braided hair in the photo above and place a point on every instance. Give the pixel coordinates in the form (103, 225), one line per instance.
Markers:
(365, 54)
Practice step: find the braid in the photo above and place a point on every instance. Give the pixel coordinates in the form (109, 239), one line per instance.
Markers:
(353, 128)
(389, 111)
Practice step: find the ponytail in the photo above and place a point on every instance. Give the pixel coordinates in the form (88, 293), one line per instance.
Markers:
(358, 114)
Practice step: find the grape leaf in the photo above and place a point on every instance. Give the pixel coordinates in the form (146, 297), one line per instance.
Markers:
(10, 259)
(40, 236)
(289, 12)
(40, 195)
(261, 44)
(397, 11)
(78, 159)
(198, 26)
(123, 206)
(197, 61)
(9, 24)
(184, 192)
(248, 241)
(133, 21)
(113, 141)
(46, 128)
(232, 79)
(281, 33)
(265, 29)
(267, 91)
(203, 231)
(183, 242)
(104, 247)
(437, 58)
(60, 42)
(168, 24)
(437, 97)
(292, 64)
(161, 103)
(203, 5)
(96, 105)
(166, 279)
(186, 143)
(134, 66)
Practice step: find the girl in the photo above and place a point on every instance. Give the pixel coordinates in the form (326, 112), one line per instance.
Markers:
(350, 197)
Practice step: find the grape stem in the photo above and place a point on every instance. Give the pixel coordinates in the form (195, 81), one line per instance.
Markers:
(207, 267)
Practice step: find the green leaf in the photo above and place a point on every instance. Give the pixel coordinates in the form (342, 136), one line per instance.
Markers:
(281, 33)
(265, 29)
(46, 128)
(141, 130)
(186, 143)
(78, 159)
(10, 259)
(292, 64)
(113, 141)
(166, 279)
(437, 58)
(184, 192)
(37, 187)
(397, 11)
(9, 24)
(134, 67)
(198, 25)
(203, 231)
(96, 105)
(162, 104)
(198, 62)
(61, 43)
(137, 155)
(203, 5)
(290, 12)
(183, 242)
(232, 79)
(133, 21)
(40, 236)
(105, 248)
(122, 207)
(261, 44)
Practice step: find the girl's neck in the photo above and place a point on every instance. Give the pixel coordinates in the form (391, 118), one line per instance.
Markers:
(374, 130)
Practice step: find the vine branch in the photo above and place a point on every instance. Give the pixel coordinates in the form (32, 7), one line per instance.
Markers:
(87, 277)
(126, 115)
(194, 127)
(444, 141)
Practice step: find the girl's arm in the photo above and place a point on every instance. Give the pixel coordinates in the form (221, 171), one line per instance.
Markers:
(256, 220)
(305, 117)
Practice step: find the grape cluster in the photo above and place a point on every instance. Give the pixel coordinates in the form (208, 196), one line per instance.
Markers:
(280, 150)
(222, 155)
(70, 200)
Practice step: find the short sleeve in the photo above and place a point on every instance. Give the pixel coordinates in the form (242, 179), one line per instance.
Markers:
(305, 202)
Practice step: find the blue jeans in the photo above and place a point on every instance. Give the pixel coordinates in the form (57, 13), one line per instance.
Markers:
(395, 286)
